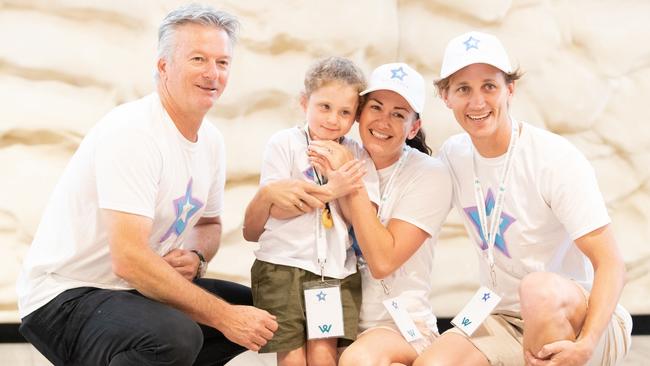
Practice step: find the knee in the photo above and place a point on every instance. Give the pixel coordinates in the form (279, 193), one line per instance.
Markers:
(292, 359)
(431, 360)
(181, 340)
(321, 359)
(538, 293)
(355, 357)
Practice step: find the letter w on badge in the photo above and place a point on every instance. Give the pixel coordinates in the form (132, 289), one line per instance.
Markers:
(325, 328)
(466, 322)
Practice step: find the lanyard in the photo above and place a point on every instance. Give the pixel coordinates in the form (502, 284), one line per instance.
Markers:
(490, 232)
(324, 220)
(388, 189)
(385, 194)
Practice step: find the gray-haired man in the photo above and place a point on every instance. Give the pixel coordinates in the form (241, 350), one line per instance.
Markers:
(113, 276)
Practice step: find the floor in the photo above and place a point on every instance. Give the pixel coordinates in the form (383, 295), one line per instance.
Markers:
(20, 354)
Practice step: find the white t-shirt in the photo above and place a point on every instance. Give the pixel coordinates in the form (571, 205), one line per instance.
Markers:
(552, 198)
(421, 195)
(134, 160)
(292, 242)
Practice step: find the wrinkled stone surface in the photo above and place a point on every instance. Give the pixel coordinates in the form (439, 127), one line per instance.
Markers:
(64, 64)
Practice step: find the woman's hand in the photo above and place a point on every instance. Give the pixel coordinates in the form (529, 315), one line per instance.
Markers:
(293, 197)
(346, 179)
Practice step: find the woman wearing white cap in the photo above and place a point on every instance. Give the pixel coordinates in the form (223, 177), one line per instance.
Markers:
(530, 201)
(397, 238)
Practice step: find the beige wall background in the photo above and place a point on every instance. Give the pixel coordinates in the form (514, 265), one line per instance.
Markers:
(65, 63)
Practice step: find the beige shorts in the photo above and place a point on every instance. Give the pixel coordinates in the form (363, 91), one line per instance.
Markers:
(500, 339)
(428, 336)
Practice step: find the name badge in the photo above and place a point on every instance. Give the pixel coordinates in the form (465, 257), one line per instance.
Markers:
(476, 310)
(323, 309)
(402, 319)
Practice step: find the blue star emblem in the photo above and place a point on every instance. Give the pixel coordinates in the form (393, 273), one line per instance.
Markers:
(486, 296)
(185, 207)
(504, 224)
(398, 73)
(471, 42)
(321, 296)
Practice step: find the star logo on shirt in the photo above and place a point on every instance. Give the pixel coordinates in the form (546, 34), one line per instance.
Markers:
(309, 173)
(398, 73)
(185, 207)
(504, 224)
(471, 42)
(486, 296)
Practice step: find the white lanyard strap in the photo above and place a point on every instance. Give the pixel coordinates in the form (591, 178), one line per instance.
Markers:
(490, 233)
(321, 240)
(388, 189)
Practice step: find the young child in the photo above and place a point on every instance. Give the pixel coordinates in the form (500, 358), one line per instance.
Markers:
(301, 245)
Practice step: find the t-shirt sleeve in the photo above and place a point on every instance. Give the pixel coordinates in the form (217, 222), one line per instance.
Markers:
(570, 187)
(276, 161)
(127, 169)
(214, 205)
(426, 200)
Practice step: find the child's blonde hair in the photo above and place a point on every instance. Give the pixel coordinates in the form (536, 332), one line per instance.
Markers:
(331, 69)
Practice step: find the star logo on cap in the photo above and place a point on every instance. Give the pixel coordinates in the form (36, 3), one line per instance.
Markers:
(398, 74)
(470, 43)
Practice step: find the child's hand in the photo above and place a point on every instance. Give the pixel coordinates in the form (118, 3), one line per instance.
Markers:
(329, 154)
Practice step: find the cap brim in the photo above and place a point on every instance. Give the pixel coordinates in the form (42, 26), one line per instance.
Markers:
(410, 102)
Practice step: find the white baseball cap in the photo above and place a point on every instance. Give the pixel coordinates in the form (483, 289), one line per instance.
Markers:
(474, 48)
(400, 78)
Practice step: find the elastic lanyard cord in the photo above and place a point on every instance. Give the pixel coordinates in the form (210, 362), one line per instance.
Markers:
(490, 232)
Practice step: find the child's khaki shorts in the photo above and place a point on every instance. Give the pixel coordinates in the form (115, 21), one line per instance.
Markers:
(278, 289)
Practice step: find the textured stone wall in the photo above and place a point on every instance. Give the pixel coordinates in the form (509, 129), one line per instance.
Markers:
(65, 63)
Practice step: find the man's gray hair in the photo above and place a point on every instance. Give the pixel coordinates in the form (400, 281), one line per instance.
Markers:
(197, 14)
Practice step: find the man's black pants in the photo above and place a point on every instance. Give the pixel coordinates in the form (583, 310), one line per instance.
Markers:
(91, 326)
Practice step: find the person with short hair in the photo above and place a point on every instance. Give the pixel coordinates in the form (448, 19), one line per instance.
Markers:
(530, 203)
(114, 273)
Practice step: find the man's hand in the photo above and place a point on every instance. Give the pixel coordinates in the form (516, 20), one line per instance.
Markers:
(248, 326)
(565, 353)
(184, 262)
